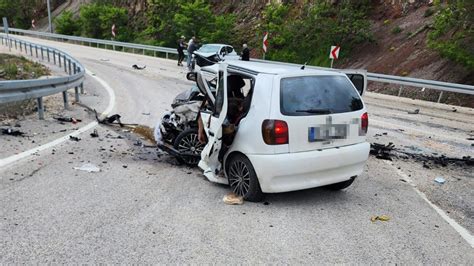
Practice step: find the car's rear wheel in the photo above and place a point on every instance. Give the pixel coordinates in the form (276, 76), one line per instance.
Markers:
(188, 142)
(243, 179)
(342, 185)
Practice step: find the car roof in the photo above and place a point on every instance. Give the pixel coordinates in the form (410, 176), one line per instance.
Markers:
(255, 67)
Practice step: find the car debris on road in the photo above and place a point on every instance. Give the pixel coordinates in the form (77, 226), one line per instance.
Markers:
(12, 132)
(138, 67)
(383, 218)
(88, 167)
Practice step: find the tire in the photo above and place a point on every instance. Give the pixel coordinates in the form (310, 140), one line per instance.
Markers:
(188, 141)
(243, 179)
(342, 185)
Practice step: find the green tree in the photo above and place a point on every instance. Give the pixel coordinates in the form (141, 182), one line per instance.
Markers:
(194, 18)
(66, 24)
(453, 32)
(97, 20)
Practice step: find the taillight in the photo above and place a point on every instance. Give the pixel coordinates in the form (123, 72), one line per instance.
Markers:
(364, 123)
(275, 132)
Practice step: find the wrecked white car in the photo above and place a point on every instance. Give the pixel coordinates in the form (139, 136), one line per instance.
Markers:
(297, 128)
(273, 128)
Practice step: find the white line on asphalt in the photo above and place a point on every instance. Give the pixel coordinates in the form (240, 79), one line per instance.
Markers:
(461, 230)
(9, 160)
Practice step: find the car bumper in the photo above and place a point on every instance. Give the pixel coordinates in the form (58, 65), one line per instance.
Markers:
(302, 170)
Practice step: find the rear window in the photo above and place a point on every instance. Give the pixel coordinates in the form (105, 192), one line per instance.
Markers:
(318, 95)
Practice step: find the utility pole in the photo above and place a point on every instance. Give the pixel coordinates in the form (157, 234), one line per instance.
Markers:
(49, 17)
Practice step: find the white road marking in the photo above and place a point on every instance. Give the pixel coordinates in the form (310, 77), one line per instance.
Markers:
(461, 230)
(9, 160)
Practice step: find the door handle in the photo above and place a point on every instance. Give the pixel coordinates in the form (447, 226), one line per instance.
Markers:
(211, 133)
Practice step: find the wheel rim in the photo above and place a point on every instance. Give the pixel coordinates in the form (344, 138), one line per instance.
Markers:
(190, 144)
(239, 178)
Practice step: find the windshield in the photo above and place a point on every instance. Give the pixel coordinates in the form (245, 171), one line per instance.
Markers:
(209, 48)
(318, 95)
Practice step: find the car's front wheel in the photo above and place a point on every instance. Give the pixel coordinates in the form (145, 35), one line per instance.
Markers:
(243, 179)
(188, 142)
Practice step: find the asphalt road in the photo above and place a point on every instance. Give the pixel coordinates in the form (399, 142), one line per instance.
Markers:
(141, 208)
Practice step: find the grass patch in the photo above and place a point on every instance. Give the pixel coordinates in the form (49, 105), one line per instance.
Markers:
(396, 30)
(18, 67)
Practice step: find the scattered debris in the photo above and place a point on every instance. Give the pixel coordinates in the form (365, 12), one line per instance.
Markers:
(454, 110)
(470, 138)
(68, 119)
(387, 152)
(145, 113)
(440, 180)
(383, 218)
(414, 112)
(124, 166)
(109, 119)
(74, 138)
(266, 203)
(382, 151)
(104, 59)
(12, 132)
(403, 180)
(233, 199)
(95, 134)
(88, 167)
(138, 67)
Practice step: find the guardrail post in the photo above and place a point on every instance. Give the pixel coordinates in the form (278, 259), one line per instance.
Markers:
(76, 89)
(59, 59)
(66, 104)
(42, 53)
(69, 66)
(36, 50)
(47, 53)
(64, 61)
(166, 55)
(40, 108)
(82, 88)
(143, 51)
(31, 50)
(440, 96)
(21, 48)
(54, 57)
(400, 91)
(16, 45)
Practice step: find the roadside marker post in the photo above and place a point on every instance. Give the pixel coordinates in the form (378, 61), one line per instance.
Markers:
(265, 44)
(334, 53)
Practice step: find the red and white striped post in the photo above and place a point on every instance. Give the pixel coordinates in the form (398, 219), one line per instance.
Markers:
(265, 44)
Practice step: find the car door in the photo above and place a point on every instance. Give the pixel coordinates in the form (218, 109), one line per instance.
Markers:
(358, 78)
(212, 121)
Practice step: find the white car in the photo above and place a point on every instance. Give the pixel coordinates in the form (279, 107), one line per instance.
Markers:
(214, 52)
(298, 129)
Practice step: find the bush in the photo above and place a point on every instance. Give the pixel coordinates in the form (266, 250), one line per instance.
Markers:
(453, 33)
(428, 12)
(396, 30)
(66, 24)
(97, 20)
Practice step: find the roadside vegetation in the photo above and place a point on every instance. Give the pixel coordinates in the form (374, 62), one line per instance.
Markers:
(453, 32)
(16, 67)
(21, 12)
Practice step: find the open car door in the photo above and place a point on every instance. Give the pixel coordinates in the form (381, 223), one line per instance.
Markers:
(358, 78)
(212, 120)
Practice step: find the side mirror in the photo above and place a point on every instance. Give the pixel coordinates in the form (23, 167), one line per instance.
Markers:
(192, 76)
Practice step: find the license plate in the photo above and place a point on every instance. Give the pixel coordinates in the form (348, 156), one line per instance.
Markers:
(327, 132)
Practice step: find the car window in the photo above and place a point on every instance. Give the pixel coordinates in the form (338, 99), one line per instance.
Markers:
(229, 49)
(358, 81)
(220, 95)
(209, 48)
(317, 95)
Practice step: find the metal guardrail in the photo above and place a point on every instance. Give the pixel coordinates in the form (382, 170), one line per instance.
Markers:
(18, 90)
(83, 40)
(403, 81)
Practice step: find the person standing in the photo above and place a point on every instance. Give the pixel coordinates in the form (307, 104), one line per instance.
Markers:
(181, 47)
(245, 55)
(191, 48)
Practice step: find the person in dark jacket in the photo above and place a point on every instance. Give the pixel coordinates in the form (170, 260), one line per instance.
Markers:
(181, 47)
(245, 55)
